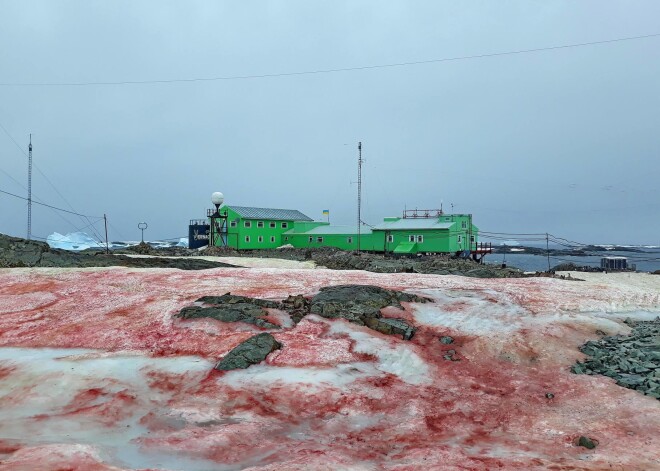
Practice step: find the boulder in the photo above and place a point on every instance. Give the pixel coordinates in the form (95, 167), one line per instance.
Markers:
(391, 327)
(254, 350)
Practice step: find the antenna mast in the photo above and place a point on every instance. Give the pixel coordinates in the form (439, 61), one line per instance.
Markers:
(359, 215)
(29, 222)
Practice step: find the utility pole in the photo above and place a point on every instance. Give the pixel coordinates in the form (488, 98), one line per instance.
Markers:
(105, 219)
(29, 222)
(359, 215)
(547, 249)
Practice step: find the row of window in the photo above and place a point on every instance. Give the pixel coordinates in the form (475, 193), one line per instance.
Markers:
(260, 239)
(319, 239)
(260, 224)
(420, 238)
(390, 238)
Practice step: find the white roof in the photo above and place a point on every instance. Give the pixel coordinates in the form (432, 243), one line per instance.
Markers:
(413, 224)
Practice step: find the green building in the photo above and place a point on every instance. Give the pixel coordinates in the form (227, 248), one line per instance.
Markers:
(440, 233)
(323, 234)
(257, 228)
(416, 232)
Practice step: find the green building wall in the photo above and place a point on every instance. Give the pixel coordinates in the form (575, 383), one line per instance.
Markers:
(313, 235)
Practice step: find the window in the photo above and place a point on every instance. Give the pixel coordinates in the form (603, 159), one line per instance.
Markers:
(286, 238)
(260, 239)
(464, 224)
(390, 238)
(247, 224)
(247, 239)
(260, 224)
(272, 239)
(349, 240)
(472, 239)
(420, 239)
(319, 240)
(311, 238)
(272, 225)
(233, 224)
(411, 238)
(285, 225)
(460, 238)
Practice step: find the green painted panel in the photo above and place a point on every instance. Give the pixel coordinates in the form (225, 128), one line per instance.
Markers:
(406, 248)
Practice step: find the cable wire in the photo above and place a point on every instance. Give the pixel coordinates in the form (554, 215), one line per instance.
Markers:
(324, 71)
(49, 206)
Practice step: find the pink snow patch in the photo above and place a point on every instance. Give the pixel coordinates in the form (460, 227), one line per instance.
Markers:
(98, 374)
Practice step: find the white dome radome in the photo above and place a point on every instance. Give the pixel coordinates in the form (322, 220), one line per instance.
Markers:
(217, 198)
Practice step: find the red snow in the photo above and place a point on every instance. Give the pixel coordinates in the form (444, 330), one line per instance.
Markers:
(336, 396)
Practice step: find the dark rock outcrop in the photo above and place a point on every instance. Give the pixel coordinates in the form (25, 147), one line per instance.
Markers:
(16, 252)
(361, 304)
(297, 307)
(254, 350)
(632, 360)
(230, 308)
(229, 298)
(336, 259)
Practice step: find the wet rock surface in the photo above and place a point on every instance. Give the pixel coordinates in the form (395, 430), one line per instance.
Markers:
(16, 252)
(254, 350)
(632, 360)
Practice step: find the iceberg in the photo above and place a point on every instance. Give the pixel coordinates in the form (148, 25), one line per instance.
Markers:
(72, 241)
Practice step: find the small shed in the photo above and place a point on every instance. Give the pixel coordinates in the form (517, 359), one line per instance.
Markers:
(614, 263)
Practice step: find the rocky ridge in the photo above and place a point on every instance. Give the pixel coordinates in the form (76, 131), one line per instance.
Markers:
(16, 252)
(360, 304)
(632, 360)
(336, 259)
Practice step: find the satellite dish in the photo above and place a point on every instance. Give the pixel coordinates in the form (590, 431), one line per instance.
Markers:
(217, 198)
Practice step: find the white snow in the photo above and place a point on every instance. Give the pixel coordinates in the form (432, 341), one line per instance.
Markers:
(266, 376)
(47, 379)
(398, 359)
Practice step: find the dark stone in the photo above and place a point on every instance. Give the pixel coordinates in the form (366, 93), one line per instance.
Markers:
(549, 395)
(587, 442)
(254, 350)
(297, 307)
(241, 312)
(230, 308)
(357, 302)
(391, 327)
(446, 340)
(361, 304)
(229, 298)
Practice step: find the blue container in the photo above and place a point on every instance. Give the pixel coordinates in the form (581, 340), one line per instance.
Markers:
(198, 234)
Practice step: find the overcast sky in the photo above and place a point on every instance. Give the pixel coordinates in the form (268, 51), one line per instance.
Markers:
(564, 141)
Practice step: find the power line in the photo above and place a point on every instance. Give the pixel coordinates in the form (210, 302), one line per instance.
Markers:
(324, 71)
(49, 206)
(85, 219)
